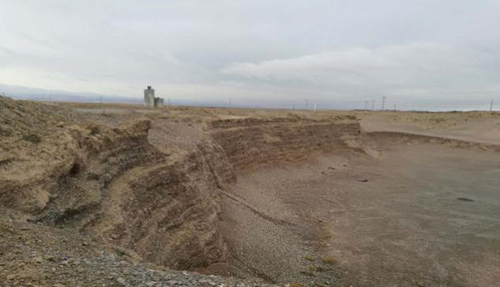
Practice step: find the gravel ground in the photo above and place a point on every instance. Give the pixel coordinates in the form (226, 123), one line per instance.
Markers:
(33, 255)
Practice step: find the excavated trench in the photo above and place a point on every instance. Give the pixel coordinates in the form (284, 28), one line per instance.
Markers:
(283, 199)
(139, 187)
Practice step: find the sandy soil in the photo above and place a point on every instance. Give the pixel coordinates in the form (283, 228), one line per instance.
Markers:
(420, 215)
(471, 126)
(427, 215)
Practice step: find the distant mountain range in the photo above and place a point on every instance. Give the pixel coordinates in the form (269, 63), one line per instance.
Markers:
(35, 94)
(26, 93)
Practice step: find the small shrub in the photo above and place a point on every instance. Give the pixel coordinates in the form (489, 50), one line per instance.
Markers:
(34, 138)
(312, 268)
(120, 252)
(329, 260)
(309, 258)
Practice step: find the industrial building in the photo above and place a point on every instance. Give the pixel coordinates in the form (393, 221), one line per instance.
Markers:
(150, 100)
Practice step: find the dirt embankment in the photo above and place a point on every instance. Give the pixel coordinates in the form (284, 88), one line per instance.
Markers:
(124, 185)
(111, 182)
(265, 239)
(249, 142)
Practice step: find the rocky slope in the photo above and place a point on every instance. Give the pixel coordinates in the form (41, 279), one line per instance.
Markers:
(40, 255)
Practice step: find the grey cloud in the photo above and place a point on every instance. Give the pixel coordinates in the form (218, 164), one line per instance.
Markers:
(423, 70)
(254, 49)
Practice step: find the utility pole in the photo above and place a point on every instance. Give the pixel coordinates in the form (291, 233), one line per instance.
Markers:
(314, 107)
(307, 105)
(383, 102)
(491, 106)
(230, 102)
(366, 105)
(102, 108)
(293, 108)
(373, 105)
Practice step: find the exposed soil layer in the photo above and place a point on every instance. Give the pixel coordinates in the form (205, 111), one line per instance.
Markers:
(111, 181)
(249, 142)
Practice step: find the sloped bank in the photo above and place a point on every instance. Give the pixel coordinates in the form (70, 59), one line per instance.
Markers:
(110, 182)
(267, 237)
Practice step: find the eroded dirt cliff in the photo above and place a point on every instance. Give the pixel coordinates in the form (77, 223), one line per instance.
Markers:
(250, 141)
(111, 182)
(149, 184)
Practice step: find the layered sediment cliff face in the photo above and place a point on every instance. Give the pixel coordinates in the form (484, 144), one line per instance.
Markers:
(248, 142)
(111, 182)
(114, 183)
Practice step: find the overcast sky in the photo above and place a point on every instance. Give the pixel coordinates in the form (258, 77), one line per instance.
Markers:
(258, 50)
